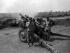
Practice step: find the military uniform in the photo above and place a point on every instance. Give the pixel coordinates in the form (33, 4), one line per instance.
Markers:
(46, 28)
(31, 31)
(40, 28)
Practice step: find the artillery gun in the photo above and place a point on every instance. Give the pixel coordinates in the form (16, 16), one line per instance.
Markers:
(24, 37)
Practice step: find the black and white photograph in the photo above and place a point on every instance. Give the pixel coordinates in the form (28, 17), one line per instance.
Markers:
(34, 26)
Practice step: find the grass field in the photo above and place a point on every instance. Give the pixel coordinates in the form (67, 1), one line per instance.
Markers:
(62, 21)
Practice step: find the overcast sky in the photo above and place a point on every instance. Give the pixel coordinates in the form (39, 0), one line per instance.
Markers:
(32, 6)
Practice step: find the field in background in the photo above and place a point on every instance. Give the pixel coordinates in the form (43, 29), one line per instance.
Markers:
(62, 21)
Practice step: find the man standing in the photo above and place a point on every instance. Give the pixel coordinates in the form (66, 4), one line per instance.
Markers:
(48, 28)
(49, 24)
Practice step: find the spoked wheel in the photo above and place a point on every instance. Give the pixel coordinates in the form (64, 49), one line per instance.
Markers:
(23, 35)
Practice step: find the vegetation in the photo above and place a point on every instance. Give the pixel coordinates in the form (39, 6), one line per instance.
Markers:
(53, 14)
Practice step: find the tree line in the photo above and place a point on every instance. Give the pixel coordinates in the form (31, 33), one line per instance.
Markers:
(53, 14)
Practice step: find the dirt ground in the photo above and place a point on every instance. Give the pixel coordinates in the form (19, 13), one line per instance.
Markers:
(10, 43)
